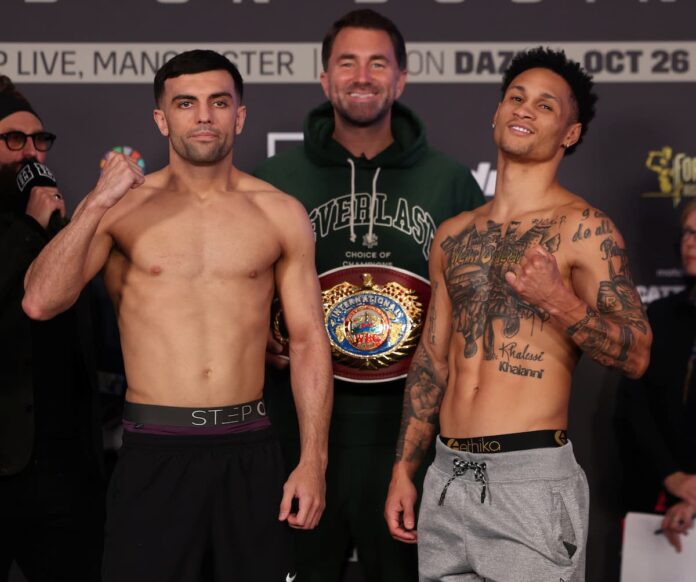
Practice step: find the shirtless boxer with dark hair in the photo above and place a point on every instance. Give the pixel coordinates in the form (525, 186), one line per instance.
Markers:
(191, 255)
(521, 287)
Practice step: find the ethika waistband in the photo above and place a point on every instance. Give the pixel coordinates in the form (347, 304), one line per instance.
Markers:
(234, 418)
(505, 443)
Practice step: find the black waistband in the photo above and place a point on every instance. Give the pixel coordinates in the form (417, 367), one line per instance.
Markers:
(504, 443)
(194, 417)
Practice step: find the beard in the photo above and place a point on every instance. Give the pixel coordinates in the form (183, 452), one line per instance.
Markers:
(201, 153)
(362, 114)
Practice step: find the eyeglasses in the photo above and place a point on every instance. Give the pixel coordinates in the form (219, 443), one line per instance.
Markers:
(688, 233)
(16, 140)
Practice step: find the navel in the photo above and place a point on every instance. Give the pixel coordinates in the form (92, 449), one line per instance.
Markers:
(207, 373)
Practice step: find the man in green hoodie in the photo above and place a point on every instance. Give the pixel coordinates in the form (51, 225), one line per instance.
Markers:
(375, 193)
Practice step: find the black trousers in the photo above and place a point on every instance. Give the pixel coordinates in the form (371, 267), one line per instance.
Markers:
(194, 508)
(51, 522)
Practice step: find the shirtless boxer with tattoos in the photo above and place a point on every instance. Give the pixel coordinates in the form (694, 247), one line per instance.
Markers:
(521, 287)
(191, 256)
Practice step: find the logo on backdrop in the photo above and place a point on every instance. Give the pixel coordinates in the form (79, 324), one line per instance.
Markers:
(675, 174)
(485, 174)
(668, 281)
(133, 154)
(650, 293)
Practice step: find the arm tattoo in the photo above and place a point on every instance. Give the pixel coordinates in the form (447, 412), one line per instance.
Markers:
(609, 347)
(433, 317)
(607, 333)
(422, 398)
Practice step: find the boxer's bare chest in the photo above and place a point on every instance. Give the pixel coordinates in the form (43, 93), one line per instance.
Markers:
(214, 240)
(483, 303)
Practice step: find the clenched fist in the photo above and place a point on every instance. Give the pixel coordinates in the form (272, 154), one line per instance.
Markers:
(119, 174)
(536, 278)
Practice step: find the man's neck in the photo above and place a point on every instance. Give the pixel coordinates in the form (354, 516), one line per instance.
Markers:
(366, 141)
(203, 178)
(523, 186)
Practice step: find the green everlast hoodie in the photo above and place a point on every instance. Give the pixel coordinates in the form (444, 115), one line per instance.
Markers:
(384, 210)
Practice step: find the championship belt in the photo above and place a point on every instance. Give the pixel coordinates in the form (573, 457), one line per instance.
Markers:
(373, 316)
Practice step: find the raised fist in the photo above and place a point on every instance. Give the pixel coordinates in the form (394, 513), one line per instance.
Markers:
(119, 174)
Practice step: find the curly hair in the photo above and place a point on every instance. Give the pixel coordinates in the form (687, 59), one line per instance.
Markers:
(579, 81)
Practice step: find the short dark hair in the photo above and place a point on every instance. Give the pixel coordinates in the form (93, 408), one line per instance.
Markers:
(197, 61)
(370, 20)
(578, 79)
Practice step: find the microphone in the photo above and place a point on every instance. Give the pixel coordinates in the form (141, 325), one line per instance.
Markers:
(33, 173)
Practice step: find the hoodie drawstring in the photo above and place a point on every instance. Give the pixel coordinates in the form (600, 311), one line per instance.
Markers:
(373, 204)
(352, 200)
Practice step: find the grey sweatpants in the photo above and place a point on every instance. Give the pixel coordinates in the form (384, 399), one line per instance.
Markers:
(532, 526)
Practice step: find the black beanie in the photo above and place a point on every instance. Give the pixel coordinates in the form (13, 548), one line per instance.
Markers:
(10, 104)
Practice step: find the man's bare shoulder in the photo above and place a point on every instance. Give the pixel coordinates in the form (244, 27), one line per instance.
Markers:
(158, 180)
(462, 221)
(584, 223)
(589, 238)
(266, 195)
(283, 210)
(573, 207)
(276, 202)
(247, 183)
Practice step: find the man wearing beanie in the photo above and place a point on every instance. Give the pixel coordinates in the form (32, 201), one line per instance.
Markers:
(51, 490)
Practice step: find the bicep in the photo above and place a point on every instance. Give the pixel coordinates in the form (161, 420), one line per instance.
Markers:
(296, 278)
(601, 277)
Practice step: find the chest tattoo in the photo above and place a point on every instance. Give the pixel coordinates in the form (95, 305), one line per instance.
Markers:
(475, 267)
